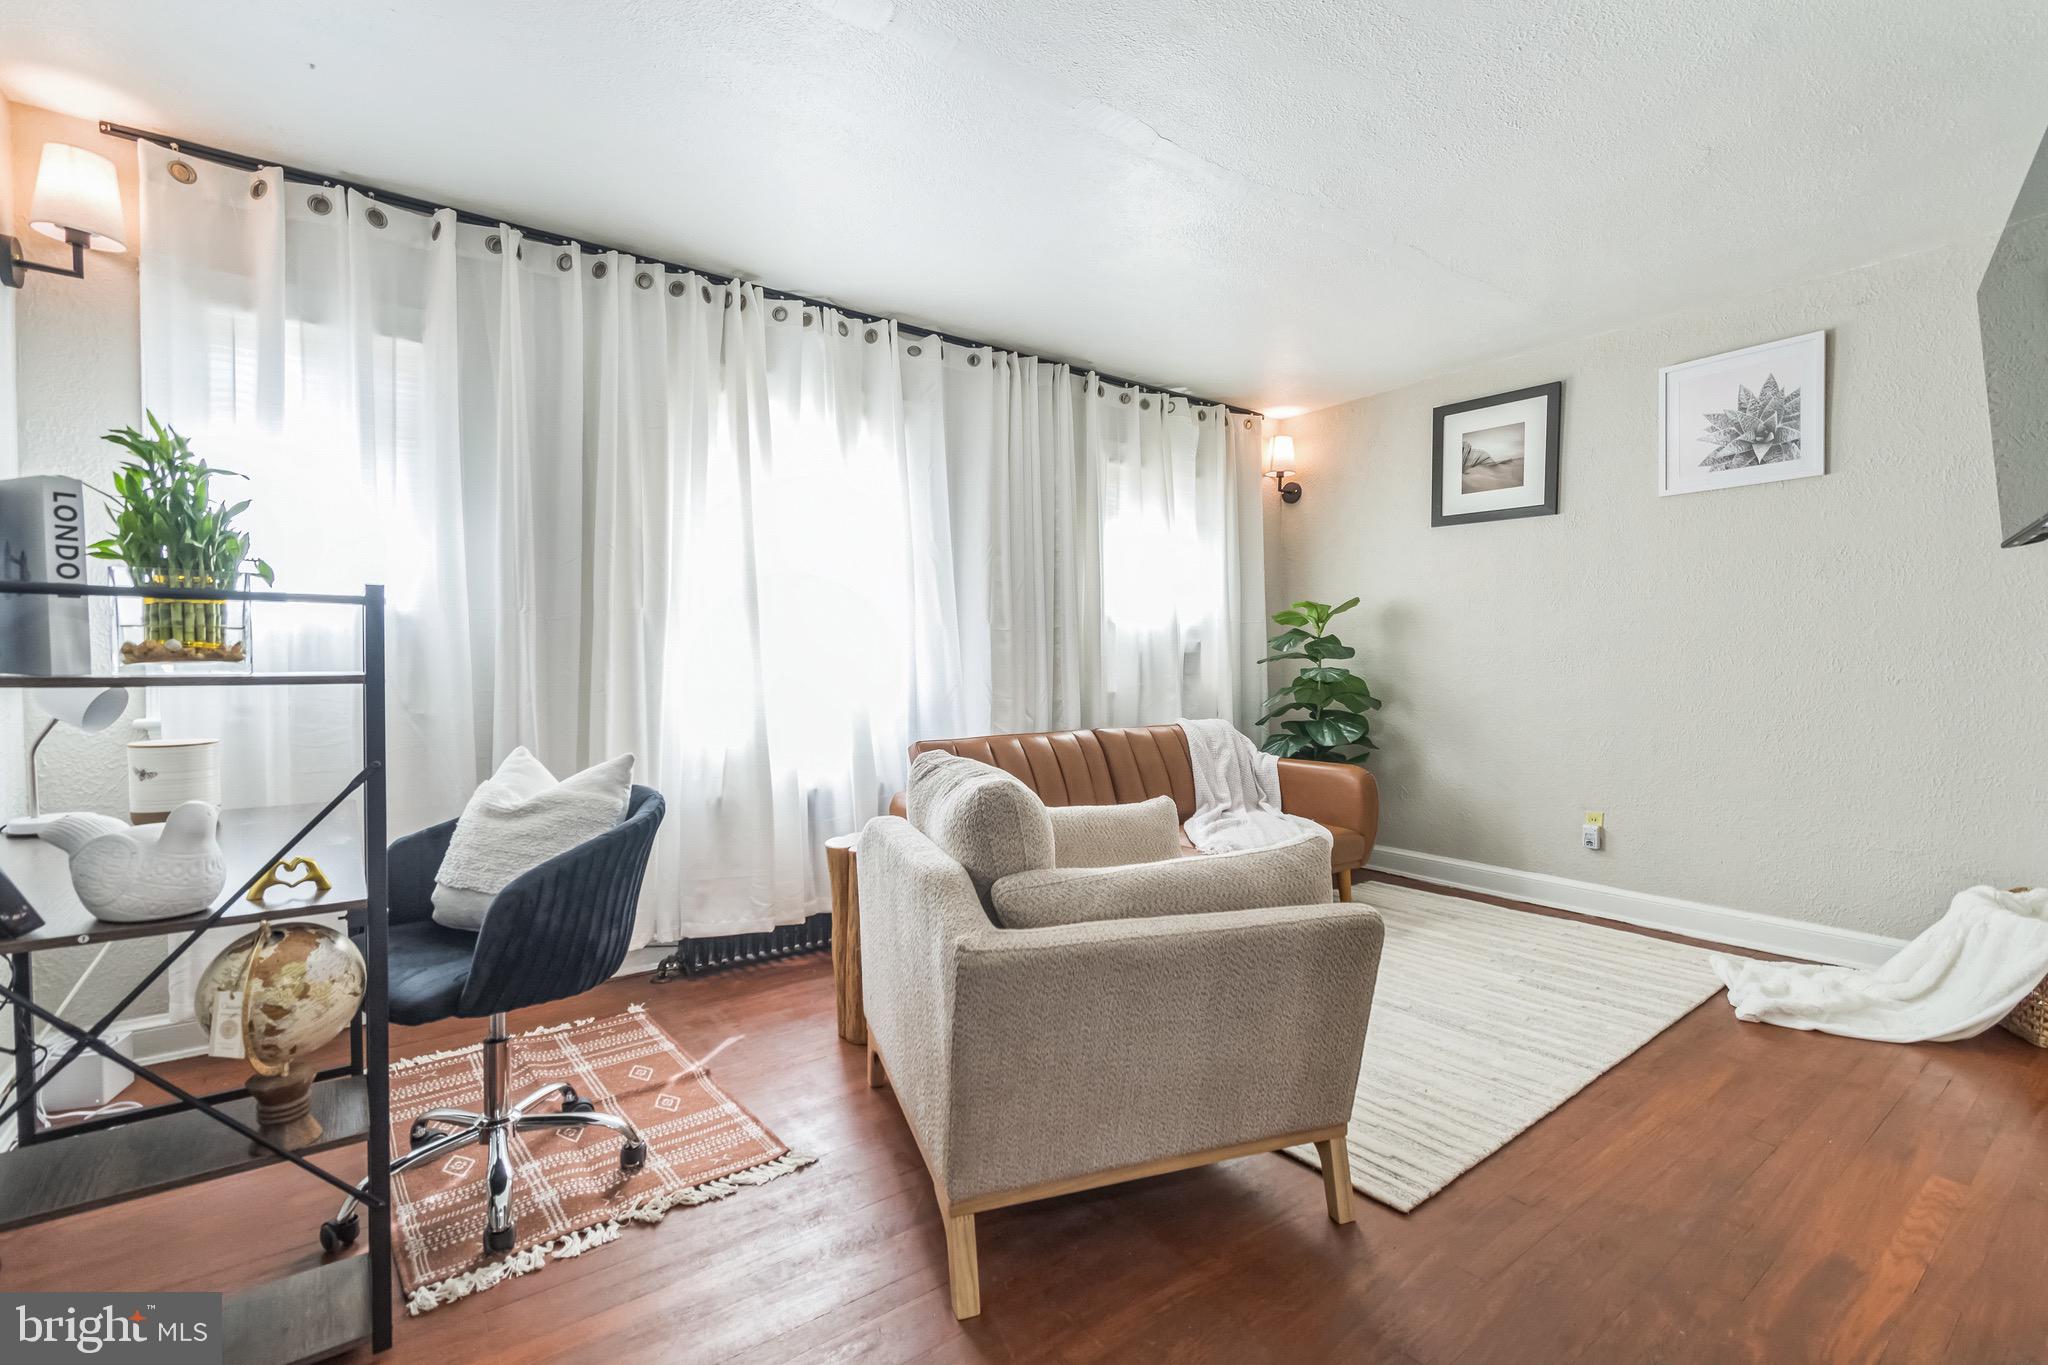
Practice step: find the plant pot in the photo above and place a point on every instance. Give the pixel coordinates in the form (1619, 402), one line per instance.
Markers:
(183, 630)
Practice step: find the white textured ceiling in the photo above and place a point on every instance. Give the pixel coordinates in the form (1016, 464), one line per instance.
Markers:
(1290, 203)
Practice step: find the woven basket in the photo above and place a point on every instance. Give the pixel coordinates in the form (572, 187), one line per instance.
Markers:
(2029, 1018)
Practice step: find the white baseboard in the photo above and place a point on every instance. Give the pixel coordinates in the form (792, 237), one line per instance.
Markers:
(1695, 919)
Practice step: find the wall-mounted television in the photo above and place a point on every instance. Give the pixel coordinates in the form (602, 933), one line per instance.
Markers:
(2012, 313)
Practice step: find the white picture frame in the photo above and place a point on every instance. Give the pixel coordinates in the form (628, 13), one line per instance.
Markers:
(1722, 419)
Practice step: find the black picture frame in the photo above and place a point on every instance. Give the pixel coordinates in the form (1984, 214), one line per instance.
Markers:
(1553, 393)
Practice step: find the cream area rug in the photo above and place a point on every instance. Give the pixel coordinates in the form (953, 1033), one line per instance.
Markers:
(568, 1196)
(1484, 1020)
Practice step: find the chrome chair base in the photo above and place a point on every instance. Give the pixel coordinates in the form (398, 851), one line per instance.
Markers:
(440, 1131)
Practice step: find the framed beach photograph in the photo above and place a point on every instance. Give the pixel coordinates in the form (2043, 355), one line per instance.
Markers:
(1495, 458)
(1751, 416)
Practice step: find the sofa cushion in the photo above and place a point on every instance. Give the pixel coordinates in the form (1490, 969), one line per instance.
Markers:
(981, 817)
(1111, 836)
(1296, 872)
(1347, 846)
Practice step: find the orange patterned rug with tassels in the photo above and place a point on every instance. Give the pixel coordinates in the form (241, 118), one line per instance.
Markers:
(569, 1195)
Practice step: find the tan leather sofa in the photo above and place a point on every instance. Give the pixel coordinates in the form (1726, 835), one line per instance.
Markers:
(1112, 766)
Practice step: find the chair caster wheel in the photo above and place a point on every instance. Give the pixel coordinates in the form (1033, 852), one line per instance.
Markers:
(498, 1239)
(574, 1103)
(632, 1156)
(337, 1233)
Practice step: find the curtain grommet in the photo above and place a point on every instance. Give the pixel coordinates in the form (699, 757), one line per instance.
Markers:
(644, 280)
(1202, 416)
(322, 205)
(1144, 405)
(376, 218)
(807, 319)
(434, 233)
(494, 244)
(598, 270)
(1101, 392)
(259, 189)
(1124, 397)
(973, 359)
(182, 172)
(1247, 424)
(869, 336)
(705, 290)
(843, 328)
(728, 298)
(780, 314)
(675, 289)
(1169, 405)
(564, 262)
(916, 349)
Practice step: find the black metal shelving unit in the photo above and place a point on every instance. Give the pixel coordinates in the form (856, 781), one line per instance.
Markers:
(61, 1170)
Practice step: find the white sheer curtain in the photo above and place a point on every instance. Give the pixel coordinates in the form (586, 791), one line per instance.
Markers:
(759, 544)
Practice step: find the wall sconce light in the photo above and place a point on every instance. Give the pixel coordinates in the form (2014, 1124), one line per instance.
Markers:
(1280, 467)
(78, 201)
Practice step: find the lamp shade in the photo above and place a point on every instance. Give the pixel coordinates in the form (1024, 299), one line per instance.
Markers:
(77, 190)
(1280, 455)
(91, 709)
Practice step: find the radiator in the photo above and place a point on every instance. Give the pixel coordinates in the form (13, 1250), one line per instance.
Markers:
(696, 956)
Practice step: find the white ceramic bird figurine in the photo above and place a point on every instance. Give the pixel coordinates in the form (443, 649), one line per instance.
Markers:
(127, 873)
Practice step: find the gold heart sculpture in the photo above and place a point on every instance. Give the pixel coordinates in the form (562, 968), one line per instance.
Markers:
(309, 874)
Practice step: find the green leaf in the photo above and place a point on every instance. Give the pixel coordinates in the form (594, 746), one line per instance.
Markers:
(1343, 606)
(263, 572)
(1290, 617)
(1282, 658)
(1286, 746)
(1329, 647)
(1288, 639)
(1336, 729)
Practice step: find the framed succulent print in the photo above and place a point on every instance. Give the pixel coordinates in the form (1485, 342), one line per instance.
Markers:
(1495, 458)
(1751, 416)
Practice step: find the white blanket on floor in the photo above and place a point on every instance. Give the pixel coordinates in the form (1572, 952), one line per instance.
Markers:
(1961, 976)
(1237, 792)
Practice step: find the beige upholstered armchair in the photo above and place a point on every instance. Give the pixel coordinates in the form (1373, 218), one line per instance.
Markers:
(1050, 1029)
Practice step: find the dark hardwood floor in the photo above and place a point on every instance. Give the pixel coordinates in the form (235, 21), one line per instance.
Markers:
(1729, 1193)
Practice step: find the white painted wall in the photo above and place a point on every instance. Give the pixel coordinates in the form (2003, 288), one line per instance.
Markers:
(13, 787)
(76, 371)
(1820, 699)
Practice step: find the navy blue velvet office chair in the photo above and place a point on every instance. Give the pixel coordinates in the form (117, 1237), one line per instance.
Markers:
(556, 931)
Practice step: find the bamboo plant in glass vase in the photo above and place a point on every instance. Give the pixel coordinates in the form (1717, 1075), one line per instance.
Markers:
(171, 533)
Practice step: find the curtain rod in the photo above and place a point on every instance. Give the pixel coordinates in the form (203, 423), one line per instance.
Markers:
(462, 215)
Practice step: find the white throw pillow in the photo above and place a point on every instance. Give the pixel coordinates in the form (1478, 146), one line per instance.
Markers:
(518, 819)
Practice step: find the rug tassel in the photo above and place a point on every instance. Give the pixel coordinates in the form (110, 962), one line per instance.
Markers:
(650, 1209)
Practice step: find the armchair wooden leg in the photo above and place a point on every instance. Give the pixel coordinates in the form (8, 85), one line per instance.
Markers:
(963, 1268)
(878, 1075)
(1343, 880)
(1336, 1159)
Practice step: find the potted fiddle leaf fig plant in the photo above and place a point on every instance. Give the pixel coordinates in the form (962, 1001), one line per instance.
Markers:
(1335, 700)
(171, 533)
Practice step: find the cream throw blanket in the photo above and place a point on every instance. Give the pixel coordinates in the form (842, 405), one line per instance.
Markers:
(1237, 792)
(1958, 978)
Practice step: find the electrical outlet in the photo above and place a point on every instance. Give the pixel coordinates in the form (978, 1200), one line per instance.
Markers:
(1596, 817)
(1594, 830)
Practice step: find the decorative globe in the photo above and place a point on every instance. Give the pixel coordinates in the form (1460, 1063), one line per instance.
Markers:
(305, 985)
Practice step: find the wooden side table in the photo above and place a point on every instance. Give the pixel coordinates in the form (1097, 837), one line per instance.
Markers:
(840, 865)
